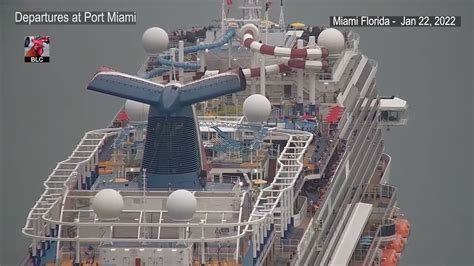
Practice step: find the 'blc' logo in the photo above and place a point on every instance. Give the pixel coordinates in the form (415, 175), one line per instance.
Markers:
(36, 49)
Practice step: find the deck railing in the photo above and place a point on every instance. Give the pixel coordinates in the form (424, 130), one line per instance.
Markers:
(387, 191)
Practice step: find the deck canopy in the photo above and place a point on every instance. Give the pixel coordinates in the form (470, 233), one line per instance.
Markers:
(334, 114)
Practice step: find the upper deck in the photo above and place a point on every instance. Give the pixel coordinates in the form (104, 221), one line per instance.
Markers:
(302, 175)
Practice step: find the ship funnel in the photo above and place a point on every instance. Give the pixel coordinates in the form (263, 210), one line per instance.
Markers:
(172, 154)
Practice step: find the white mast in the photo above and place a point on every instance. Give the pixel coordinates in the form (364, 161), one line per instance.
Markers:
(281, 20)
(262, 56)
(223, 18)
(299, 82)
(266, 21)
(181, 60)
(251, 10)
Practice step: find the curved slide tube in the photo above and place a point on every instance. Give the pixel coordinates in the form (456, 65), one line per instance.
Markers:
(165, 59)
(285, 66)
(155, 72)
(290, 58)
(250, 32)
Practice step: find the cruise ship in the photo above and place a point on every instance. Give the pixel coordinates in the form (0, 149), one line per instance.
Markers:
(247, 142)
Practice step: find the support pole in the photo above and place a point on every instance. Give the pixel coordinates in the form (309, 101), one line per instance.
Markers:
(266, 26)
(282, 215)
(253, 84)
(223, 18)
(173, 59)
(262, 74)
(229, 54)
(203, 248)
(144, 229)
(77, 260)
(182, 237)
(202, 59)
(34, 244)
(312, 82)
(254, 241)
(299, 83)
(181, 59)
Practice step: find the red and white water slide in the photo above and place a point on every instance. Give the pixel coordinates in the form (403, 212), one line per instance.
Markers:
(301, 58)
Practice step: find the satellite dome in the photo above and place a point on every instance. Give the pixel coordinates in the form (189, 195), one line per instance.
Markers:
(181, 205)
(107, 204)
(332, 39)
(257, 108)
(136, 111)
(155, 40)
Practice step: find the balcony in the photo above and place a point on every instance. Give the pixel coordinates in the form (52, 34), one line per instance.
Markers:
(394, 112)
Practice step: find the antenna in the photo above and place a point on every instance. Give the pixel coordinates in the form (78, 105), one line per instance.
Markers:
(267, 7)
(281, 20)
(223, 18)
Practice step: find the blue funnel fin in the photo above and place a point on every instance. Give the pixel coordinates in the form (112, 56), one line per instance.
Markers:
(212, 87)
(177, 96)
(127, 86)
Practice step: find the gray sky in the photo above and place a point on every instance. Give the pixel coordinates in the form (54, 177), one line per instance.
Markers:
(45, 109)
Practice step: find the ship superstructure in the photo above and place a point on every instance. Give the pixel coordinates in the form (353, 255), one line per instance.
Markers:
(245, 143)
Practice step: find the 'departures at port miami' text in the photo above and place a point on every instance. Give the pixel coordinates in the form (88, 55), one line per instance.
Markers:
(79, 17)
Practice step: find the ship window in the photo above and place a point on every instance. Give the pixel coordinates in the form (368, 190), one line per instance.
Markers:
(393, 116)
(390, 116)
(287, 91)
(226, 179)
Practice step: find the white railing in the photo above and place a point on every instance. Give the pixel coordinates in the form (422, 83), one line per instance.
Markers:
(63, 178)
(325, 208)
(278, 198)
(281, 191)
(220, 120)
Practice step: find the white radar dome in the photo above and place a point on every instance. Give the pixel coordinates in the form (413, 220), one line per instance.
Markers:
(181, 205)
(257, 108)
(155, 40)
(107, 204)
(332, 39)
(136, 111)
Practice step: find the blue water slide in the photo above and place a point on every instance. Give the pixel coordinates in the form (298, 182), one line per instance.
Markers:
(165, 61)
(155, 72)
